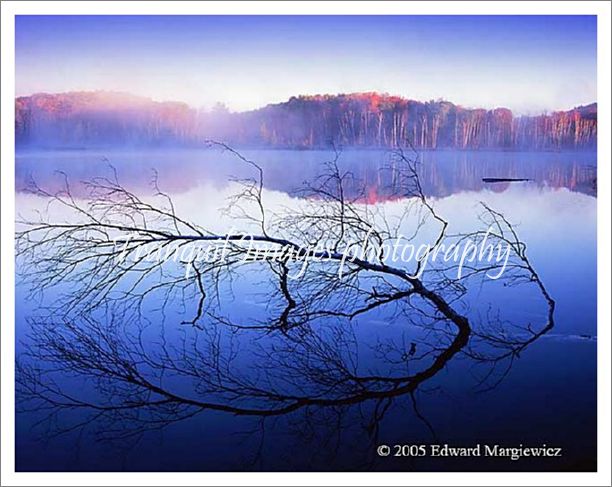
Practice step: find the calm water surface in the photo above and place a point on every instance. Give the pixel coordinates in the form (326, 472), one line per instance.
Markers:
(549, 396)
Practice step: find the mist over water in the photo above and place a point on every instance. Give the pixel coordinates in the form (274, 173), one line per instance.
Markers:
(442, 173)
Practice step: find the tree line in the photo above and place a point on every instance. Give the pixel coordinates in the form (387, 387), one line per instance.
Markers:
(352, 120)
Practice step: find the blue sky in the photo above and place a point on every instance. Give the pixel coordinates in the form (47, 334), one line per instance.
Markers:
(527, 63)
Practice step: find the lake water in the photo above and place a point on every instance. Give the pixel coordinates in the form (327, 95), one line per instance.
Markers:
(548, 396)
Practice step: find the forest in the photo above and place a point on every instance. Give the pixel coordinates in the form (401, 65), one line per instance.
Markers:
(82, 119)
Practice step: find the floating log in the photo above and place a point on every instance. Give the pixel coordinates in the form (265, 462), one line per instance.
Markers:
(504, 180)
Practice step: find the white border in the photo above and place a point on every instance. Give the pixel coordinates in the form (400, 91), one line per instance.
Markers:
(7, 428)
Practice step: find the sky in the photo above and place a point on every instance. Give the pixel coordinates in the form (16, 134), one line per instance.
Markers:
(529, 64)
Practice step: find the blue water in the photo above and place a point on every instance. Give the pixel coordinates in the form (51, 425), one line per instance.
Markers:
(548, 396)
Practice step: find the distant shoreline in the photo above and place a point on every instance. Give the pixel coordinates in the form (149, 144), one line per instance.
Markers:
(363, 120)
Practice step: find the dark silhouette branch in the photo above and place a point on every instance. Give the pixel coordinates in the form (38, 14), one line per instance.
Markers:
(107, 288)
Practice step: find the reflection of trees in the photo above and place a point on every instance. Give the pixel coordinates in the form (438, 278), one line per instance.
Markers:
(442, 173)
(157, 346)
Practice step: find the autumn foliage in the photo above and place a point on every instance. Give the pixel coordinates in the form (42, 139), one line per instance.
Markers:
(351, 120)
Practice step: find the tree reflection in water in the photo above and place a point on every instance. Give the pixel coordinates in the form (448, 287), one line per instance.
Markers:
(150, 346)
